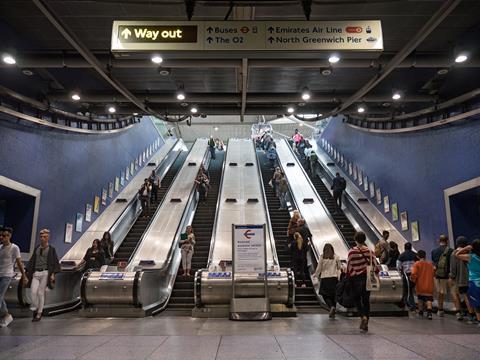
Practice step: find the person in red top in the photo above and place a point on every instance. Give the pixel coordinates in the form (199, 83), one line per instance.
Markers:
(359, 257)
(423, 274)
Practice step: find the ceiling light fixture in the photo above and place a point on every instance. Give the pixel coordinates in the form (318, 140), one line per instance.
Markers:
(361, 109)
(157, 59)
(461, 58)
(396, 96)
(135, 114)
(291, 110)
(306, 94)
(75, 97)
(216, 128)
(9, 59)
(112, 109)
(333, 59)
(193, 109)
(180, 95)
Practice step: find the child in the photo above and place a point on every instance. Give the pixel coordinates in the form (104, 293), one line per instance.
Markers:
(423, 274)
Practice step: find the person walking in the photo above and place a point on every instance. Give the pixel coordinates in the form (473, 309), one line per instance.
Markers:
(300, 249)
(458, 281)
(154, 180)
(144, 193)
(277, 175)
(405, 262)
(423, 274)
(282, 192)
(9, 255)
(94, 258)
(338, 186)
(328, 271)
(313, 161)
(359, 258)
(187, 243)
(41, 270)
(107, 247)
(381, 247)
(293, 227)
(211, 146)
(441, 260)
(393, 255)
(471, 255)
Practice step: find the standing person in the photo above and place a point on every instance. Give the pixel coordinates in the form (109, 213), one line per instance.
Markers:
(458, 281)
(313, 160)
(154, 180)
(405, 263)
(9, 255)
(422, 275)
(283, 192)
(211, 145)
(94, 258)
(381, 247)
(338, 186)
(471, 255)
(359, 258)
(42, 267)
(441, 260)
(202, 186)
(187, 243)
(393, 255)
(293, 227)
(328, 271)
(272, 157)
(107, 246)
(144, 193)
(300, 249)
(277, 175)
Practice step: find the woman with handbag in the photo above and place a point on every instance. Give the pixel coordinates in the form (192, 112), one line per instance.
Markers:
(362, 269)
(328, 271)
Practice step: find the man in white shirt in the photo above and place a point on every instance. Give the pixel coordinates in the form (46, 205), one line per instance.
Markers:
(9, 254)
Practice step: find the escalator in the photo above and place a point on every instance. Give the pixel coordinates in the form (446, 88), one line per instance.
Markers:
(305, 298)
(342, 222)
(182, 297)
(130, 242)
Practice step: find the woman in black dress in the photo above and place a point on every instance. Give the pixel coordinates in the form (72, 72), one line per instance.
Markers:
(94, 258)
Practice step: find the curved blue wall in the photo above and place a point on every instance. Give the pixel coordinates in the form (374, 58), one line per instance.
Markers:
(69, 169)
(413, 169)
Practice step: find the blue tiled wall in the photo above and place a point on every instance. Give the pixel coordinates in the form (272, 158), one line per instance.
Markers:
(413, 169)
(69, 169)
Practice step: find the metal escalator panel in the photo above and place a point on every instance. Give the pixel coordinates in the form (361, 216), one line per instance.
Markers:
(182, 297)
(133, 237)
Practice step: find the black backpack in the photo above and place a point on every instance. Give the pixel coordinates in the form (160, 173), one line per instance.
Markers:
(343, 183)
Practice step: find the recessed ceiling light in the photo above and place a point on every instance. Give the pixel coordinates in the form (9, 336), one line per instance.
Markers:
(27, 72)
(333, 59)
(193, 110)
(306, 95)
(361, 109)
(180, 95)
(164, 72)
(112, 109)
(461, 58)
(386, 104)
(157, 59)
(301, 124)
(396, 96)
(75, 97)
(216, 128)
(9, 59)
(442, 71)
(135, 114)
(326, 72)
(291, 110)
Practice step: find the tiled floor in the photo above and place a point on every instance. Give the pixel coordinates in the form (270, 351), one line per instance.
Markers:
(309, 336)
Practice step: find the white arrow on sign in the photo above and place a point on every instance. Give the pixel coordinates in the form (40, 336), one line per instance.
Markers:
(126, 33)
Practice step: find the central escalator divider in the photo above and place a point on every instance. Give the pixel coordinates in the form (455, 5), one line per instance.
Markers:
(182, 297)
(305, 298)
(130, 242)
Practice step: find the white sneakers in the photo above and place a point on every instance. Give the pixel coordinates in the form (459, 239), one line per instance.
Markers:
(6, 321)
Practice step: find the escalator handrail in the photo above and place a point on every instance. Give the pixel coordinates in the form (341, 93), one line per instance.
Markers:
(330, 217)
(135, 198)
(132, 255)
(217, 212)
(267, 212)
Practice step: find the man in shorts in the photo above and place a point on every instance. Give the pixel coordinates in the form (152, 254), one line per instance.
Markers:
(422, 275)
(441, 260)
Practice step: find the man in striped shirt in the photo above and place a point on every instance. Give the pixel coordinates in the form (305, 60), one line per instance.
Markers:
(404, 265)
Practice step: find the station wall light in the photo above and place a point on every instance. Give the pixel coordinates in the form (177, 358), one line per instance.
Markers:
(333, 59)
(306, 94)
(462, 57)
(8, 59)
(157, 59)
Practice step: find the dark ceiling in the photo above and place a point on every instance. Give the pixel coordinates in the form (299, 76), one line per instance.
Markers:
(31, 35)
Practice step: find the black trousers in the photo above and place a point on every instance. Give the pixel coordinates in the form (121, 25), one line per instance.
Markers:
(337, 196)
(362, 296)
(154, 193)
(299, 266)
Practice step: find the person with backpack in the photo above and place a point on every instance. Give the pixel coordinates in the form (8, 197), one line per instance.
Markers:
(211, 146)
(272, 157)
(338, 186)
(422, 275)
(381, 247)
(313, 159)
(145, 192)
(405, 263)
(441, 260)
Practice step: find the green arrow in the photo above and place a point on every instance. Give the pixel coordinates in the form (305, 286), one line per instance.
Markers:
(126, 33)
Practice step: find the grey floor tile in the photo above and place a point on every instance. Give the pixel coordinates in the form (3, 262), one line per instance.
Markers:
(87, 341)
(55, 352)
(187, 348)
(311, 347)
(471, 341)
(433, 347)
(134, 340)
(373, 347)
(119, 352)
(10, 342)
(249, 347)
